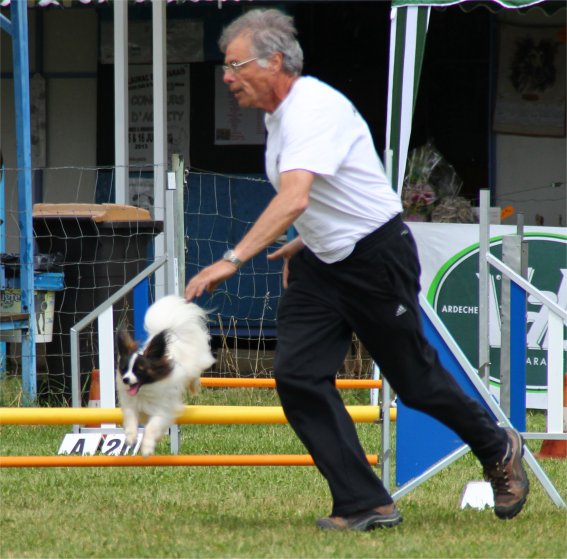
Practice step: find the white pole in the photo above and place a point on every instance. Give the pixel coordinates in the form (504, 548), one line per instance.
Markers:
(160, 130)
(105, 323)
(483, 288)
(554, 374)
(121, 101)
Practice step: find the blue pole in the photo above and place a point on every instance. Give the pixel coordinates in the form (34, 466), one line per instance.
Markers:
(2, 250)
(517, 356)
(141, 304)
(25, 205)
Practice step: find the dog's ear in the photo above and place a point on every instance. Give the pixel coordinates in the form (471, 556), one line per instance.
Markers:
(126, 345)
(157, 346)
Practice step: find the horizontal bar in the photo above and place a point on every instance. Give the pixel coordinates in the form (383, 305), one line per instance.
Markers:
(196, 415)
(545, 436)
(169, 460)
(232, 382)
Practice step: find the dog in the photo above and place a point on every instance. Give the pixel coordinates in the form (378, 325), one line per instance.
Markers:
(153, 381)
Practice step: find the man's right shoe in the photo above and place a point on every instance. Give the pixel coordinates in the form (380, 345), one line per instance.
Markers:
(385, 516)
(508, 478)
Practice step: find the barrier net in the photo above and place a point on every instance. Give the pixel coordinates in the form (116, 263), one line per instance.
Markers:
(86, 248)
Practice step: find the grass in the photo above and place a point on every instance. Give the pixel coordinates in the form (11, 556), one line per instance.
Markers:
(248, 512)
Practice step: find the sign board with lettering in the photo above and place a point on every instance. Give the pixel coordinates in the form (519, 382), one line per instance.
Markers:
(449, 260)
(141, 117)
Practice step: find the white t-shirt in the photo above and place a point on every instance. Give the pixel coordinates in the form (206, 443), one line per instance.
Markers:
(317, 129)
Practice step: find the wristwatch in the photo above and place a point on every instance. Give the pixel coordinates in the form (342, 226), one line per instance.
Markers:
(229, 256)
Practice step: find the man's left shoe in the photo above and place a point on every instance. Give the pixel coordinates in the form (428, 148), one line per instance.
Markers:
(385, 516)
(508, 478)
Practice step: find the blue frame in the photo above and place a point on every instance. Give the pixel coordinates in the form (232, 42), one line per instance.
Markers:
(18, 29)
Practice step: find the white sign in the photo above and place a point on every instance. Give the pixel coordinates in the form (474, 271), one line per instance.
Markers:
(83, 444)
(449, 278)
(87, 444)
(115, 445)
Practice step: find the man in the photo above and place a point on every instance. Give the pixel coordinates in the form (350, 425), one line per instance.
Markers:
(354, 267)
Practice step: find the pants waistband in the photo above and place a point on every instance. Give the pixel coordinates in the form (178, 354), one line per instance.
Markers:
(381, 234)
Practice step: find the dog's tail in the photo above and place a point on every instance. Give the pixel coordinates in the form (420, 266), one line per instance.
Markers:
(175, 314)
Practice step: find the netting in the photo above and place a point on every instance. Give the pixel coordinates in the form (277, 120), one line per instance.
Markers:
(96, 247)
(220, 209)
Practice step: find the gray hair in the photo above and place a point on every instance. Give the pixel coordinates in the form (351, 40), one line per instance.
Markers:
(271, 31)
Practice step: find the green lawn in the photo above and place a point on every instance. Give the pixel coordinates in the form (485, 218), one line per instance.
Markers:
(248, 512)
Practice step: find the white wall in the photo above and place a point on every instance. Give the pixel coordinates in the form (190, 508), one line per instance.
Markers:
(527, 166)
(525, 169)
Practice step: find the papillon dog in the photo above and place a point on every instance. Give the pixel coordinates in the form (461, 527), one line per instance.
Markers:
(152, 381)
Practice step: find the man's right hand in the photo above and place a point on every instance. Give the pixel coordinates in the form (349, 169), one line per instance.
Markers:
(209, 278)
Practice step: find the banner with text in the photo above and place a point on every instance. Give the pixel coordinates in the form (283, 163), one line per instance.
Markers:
(449, 278)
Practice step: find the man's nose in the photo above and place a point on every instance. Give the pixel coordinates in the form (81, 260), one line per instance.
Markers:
(228, 77)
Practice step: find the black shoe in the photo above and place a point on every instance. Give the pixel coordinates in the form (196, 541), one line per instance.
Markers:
(508, 478)
(386, 516)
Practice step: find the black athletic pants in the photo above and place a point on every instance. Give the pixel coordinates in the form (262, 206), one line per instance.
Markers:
(374, 293)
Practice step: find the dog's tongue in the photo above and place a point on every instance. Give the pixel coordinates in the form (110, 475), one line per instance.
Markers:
(133, 389)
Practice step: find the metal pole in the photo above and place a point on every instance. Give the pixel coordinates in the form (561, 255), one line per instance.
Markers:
(386, 456)
(121, 154)
(179, 169)
(160, 130)
(483, 286)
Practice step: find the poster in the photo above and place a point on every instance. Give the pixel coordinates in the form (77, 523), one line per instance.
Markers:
(530, 97)
(141, 125)
(185, 40)
(233, 125)
(449, 260)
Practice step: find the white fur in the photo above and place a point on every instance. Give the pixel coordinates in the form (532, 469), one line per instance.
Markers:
(158, 404)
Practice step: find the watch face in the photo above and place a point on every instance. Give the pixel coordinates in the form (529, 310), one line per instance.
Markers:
(229, 256)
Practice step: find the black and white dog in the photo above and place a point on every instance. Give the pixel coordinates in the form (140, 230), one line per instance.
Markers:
(152, 381)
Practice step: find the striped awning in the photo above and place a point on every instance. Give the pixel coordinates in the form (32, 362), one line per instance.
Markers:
(409, 21)
(69, 3)
(510, 4)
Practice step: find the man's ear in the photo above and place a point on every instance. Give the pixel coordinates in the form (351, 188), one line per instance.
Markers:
(125, 343)
(276, 61)
(157, 346)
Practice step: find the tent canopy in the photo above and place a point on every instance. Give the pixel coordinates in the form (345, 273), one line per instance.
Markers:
(408, 32)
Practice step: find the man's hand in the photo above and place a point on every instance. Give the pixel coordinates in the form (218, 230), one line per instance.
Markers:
(209, 278)
(286, 252)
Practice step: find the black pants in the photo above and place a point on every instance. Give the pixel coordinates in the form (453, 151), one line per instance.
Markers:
(374, 293)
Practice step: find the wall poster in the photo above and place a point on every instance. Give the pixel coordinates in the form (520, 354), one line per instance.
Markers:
(530, 97)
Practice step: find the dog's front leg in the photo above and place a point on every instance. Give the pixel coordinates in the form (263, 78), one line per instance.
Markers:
(130, 423)
(154, 430)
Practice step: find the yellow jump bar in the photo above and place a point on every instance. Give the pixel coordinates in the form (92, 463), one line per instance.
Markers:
(196, 415)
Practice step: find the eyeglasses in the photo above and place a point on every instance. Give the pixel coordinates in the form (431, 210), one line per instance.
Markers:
(235, 66)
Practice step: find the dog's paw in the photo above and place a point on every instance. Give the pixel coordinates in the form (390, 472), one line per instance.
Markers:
(148, 447)
(131, 437)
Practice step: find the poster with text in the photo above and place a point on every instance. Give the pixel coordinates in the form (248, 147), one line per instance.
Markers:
(141, 121)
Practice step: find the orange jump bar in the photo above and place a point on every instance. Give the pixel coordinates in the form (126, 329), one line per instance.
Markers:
(231, 382)
(169, 460)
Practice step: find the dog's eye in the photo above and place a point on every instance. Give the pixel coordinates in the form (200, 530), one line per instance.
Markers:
(122, 365)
